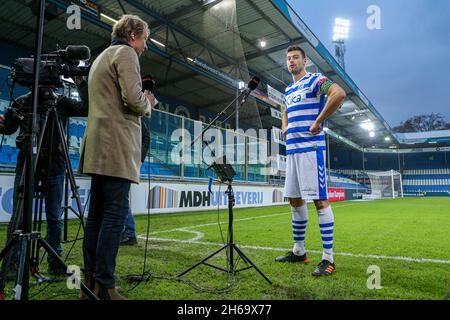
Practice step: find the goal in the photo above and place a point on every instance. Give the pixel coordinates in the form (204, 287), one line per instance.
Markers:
(384, 185)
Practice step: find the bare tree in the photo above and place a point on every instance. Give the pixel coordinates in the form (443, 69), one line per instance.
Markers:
(422, 123)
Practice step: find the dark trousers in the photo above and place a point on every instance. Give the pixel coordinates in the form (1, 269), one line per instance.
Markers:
(107, 211)
(129, 229)
(53, 212)
(15, 216)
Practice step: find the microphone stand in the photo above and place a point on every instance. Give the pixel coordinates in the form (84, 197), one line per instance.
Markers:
(244, 93)
(226, 173)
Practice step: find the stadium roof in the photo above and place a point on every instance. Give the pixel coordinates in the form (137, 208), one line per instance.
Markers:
(193, 55)
(430, 137)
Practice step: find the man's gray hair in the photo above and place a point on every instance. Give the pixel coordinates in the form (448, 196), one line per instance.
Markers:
(127, 25)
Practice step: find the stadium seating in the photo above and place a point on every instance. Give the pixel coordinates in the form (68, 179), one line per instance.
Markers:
(418, 180)
(338, 180)
(426, 180)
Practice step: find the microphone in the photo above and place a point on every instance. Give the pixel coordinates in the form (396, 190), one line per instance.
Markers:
(252, 85)
(76, 53)
(148, 83)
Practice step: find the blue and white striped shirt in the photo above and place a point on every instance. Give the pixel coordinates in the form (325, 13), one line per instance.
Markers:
(304, 102)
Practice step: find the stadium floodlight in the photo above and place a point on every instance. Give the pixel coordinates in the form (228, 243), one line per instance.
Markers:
(371, 134)
(108, 18)
(367, 125)
(262, 43)
(157, 42)
(209, 3)
(241, 85)
(341, 29)
(340, 34)
(217, 5)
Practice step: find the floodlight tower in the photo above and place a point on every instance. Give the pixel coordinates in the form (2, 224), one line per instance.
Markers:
(340, 34)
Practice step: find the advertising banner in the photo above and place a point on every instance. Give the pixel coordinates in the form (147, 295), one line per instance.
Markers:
(163, 197)
(336, 194)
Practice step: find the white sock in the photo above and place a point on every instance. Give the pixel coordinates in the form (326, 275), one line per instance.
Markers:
(299, 223)
(326, 224)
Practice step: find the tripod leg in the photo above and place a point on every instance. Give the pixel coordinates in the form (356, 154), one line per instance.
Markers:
(66, 189)
(16, 221)
(202, 261)
(70, 174)
(66, 206)
(58, 259)
(242, 254)
(7, 248)
(24, 256)
(39, 228)
(36, 227)
(5, 254)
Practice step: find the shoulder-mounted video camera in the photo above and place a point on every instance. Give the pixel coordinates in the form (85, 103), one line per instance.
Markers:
(53, 66)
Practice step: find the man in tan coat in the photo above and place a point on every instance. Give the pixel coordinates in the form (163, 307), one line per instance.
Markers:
(111, 149)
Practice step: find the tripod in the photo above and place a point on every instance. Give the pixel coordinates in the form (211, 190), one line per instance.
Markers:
(68, 208)
(226, 173)
(34, 240)
(230, 247)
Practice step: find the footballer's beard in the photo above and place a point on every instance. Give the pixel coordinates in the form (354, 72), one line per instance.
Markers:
(296, 71)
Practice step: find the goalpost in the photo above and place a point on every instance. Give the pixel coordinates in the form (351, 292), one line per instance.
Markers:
(385, 184)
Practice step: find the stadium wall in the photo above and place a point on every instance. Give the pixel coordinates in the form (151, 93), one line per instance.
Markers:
(166, 196)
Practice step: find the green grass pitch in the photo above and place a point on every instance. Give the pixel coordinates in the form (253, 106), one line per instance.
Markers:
(408, 239)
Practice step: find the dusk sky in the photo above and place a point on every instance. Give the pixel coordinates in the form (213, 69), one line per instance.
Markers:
(404, 68)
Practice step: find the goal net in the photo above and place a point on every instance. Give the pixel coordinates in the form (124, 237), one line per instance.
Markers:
(384, 185)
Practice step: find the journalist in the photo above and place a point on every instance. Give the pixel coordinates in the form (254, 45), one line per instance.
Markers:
(111, 150)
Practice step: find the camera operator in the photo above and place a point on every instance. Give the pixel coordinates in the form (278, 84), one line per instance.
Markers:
(50, 169)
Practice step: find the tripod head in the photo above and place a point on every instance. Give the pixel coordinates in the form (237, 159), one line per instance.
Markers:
(47, 99)
(47, 95)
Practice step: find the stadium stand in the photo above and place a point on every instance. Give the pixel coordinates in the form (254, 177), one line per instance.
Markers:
(426, 180)
(338, 180)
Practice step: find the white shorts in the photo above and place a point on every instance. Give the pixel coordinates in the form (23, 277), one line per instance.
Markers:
(306, 176)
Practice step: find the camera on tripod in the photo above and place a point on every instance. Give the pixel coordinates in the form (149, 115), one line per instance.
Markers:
(53, 66)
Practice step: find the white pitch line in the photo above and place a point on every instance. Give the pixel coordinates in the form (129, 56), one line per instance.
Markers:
(200, 235)
(371, 256)
(215, 223)
(235, 220)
